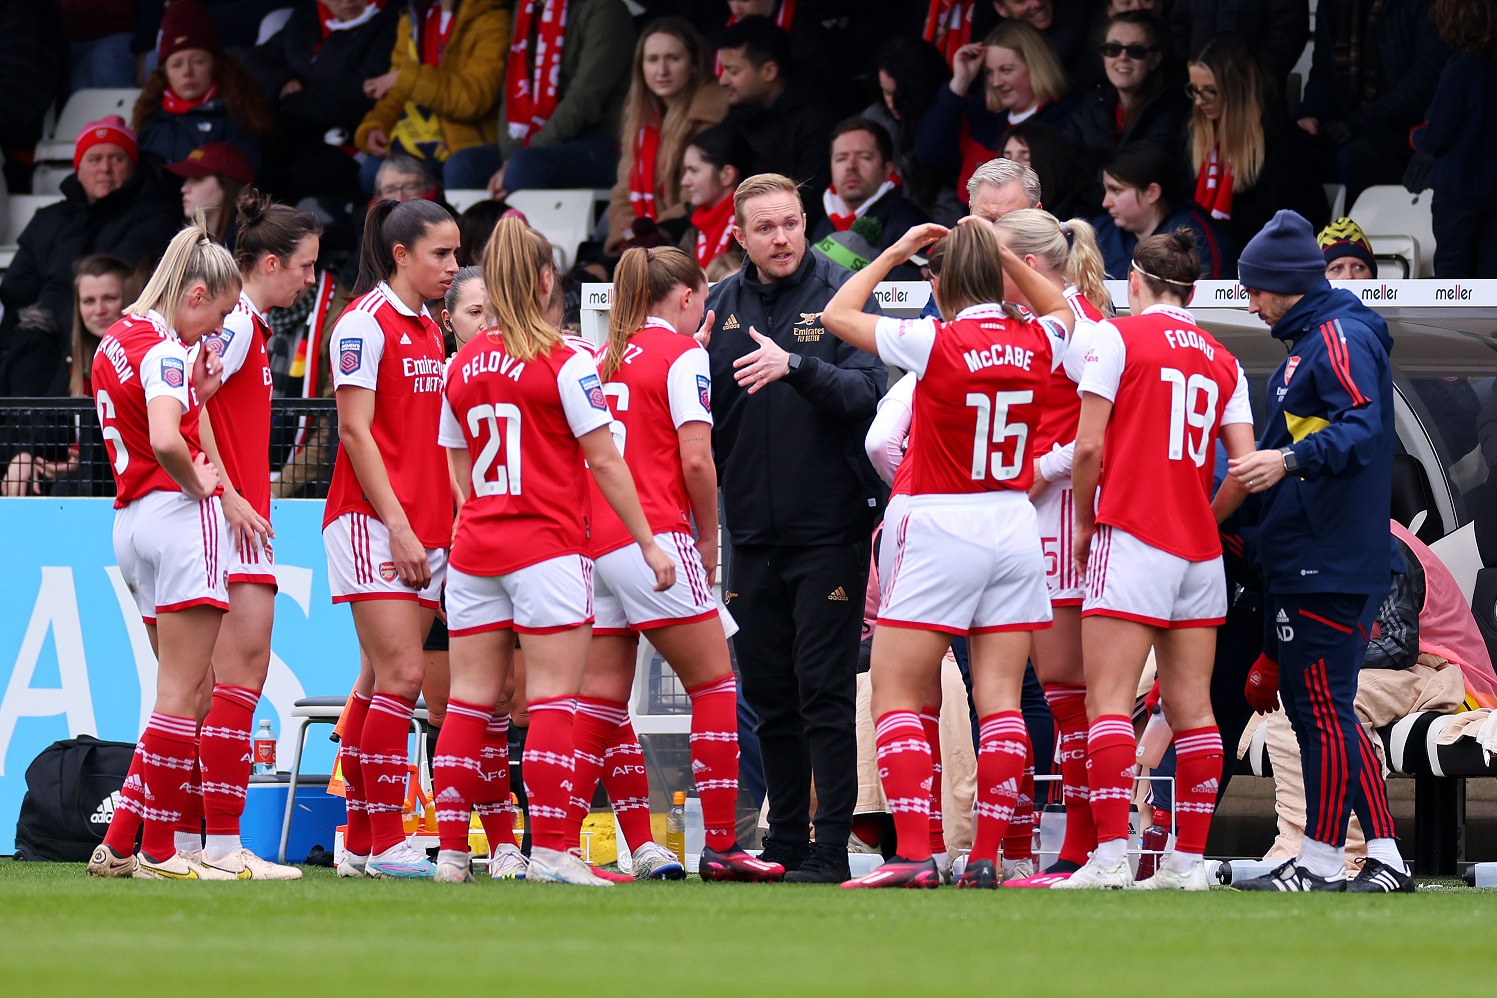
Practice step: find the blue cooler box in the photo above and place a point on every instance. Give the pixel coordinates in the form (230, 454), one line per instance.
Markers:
(313, 821)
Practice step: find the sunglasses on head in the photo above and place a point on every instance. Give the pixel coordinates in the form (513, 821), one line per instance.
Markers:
(1135, 51)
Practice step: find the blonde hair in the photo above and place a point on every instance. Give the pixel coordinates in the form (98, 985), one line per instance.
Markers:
(1047, 78)
(760, 184)
(192, 257)
(642, 278)
(1242, 86)
(642, 107)
(970, 272)
(516, 257)
(1070, 248)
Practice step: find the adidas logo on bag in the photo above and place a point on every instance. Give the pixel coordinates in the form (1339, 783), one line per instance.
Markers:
(104, 813)
(839, 595)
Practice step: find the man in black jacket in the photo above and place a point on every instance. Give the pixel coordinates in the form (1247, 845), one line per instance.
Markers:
(791, 405)
(864, 186)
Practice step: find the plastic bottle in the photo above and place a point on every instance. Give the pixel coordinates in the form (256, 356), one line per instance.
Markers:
(1155, 741)
(514, 805)
(696, 835)
(675, 826)
(264, 750)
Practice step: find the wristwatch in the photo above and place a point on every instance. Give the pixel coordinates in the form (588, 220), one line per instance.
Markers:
(793, 360)
(1291, 463)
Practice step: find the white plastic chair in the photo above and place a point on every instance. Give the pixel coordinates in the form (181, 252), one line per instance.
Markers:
(84, 106)
(20, 210)
(565, 217)
(1398, 225)
(463, 198)
(1335, 196)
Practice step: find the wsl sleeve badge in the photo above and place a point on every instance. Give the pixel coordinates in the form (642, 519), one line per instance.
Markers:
(704, 391)
(594, 392)
(350, 355)
(173, 372)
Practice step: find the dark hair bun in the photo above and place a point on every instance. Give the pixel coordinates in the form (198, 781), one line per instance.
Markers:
(1185, 239)
(251, 207)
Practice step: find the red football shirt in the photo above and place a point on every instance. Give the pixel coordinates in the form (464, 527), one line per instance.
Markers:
(662, 384)
(381, 345)
(240, 409)
(138, 360)
(1172, 387)
(1062, 412)
(519, 422)
(983, 378)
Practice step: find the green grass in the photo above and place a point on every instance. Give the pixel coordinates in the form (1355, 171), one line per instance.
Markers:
(62, 933)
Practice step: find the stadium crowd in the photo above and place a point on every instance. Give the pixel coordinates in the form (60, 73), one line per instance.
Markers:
(792, 153)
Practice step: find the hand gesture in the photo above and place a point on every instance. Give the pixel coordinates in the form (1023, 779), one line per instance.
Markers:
(207, 373)
(965, 67)
(704, 335)
(763, 366)
(1259, 471)
(918, 238)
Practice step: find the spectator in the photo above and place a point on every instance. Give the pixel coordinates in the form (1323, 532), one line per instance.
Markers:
(313, 73)
(711, 168)
(799, 515)
(404, 178)
(198, 93)
(437, 99)
(1348, 254)
(32, 76)
(969, 121)
(671, 99)
(1374, 69)
(562, 102)
(782, 116)
(1278, 29)
(864, 186)
(1249, 162)
(99, 42)
(1000, 186)
(1133, 102)
(1064, 24)
(910, 73)
(80, 469)
(1068, 190)
(111, 204)
(212, 177)
(1462, 142)
(812, 48)
(1143, 195)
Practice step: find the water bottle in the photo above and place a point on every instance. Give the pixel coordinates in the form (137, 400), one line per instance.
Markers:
(264, 750)
(675, 827)
(695, 839)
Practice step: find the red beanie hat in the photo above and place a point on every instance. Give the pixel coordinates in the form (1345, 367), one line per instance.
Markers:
(112, 130)
(186, 25)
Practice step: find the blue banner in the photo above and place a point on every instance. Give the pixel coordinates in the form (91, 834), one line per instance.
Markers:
(75, 657)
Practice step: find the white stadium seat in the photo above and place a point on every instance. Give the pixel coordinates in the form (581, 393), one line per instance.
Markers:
(84, 106)
(19, 209)
(565, 217)
(463, 198)
(1398, 225)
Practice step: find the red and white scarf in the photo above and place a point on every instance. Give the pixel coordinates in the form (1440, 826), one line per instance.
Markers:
(714, 227)
(642, 173)
(1214, 186)
(836, 209)
(436, 29)
(533, 78)
(328, 23)
(782, 19)
(948, 26)
(172, 104)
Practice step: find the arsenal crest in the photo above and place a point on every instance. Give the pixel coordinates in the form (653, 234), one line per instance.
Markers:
(1289, 369)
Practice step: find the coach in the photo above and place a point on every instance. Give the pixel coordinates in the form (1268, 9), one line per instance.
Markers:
(791, 404)
(1325, 468)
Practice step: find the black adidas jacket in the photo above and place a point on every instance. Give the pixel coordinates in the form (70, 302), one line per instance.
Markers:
(790, 457)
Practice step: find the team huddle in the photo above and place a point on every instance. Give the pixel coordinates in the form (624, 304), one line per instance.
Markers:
(1052, 501)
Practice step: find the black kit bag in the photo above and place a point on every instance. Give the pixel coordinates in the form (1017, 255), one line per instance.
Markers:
(72, 788)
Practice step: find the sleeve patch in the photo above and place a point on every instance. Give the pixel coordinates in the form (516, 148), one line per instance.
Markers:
(594, 392)
(173, 372)
(350, 355)
(704, 391)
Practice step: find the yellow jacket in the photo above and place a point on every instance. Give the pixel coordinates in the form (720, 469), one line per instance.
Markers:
(463, 91)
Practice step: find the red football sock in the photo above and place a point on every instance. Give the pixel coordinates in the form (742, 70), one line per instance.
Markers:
(191, 821)
(594, 727)
(1111, 764)
(166, 762)
(548, 771)
(492, 801)
(1198, 771)
(225, 754)
(455, 769)
(124, 827)
(1068, 705)
(356, 838)
(714, 757)
(1001, 750)
(1018, 839)
(384, 759)
(628, 786)
(930, 721)
(905, 767)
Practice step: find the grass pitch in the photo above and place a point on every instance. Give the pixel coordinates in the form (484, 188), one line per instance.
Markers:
(63, 934)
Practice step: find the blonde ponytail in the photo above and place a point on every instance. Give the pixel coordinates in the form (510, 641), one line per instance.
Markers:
(642, 278)
(516, 257)
(1085, 267)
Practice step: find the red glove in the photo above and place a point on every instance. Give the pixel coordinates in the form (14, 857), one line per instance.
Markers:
(1151, 698)
(1262, 686)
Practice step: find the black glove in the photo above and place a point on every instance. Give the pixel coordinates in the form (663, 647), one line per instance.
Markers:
(1416, 175)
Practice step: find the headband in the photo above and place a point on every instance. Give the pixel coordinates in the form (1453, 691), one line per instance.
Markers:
(1161, 280)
